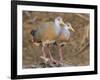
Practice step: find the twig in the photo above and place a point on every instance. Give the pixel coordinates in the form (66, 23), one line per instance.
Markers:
(32, 20)
(82, 49)
(84, 40)
(82, 17)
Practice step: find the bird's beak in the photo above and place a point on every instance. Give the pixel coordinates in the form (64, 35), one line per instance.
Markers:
(71, 28)
(62, 23)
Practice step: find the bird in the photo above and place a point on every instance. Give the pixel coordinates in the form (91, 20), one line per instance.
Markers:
(54, 32)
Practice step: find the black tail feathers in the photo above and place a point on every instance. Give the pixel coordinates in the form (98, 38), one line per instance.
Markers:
(33, 32)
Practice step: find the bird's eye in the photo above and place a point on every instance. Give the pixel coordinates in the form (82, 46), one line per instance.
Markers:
(68, 25)
(58, 19)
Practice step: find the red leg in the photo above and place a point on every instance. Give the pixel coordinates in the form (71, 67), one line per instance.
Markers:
(61, 54)
(50, 55)
(43, 51)
(44, 55)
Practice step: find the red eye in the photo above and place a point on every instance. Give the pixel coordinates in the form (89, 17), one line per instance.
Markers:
(59, 19)
(67, 24)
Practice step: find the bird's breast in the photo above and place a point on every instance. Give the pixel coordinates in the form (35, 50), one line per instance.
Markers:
(64, 35)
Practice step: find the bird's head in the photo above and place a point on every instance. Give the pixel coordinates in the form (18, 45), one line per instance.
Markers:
(59, 21)
(69, 26)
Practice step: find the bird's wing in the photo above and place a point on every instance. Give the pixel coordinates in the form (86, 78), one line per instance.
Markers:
(46, 31)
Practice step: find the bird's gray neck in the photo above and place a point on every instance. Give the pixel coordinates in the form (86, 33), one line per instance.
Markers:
(66, 32)
(57, 28)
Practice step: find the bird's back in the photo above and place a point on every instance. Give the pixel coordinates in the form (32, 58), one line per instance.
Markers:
(46, 31)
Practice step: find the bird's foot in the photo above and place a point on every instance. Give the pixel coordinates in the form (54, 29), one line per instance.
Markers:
(45, 59)
(61, 63)
(48, 62)
(53, 60)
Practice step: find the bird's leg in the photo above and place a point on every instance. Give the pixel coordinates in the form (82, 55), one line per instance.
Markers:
(61, 54)
(44, 55)
(51, 57)
(43, 51)
(32, 40)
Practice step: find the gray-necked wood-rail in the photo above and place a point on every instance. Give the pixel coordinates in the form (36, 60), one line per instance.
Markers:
(51, 32)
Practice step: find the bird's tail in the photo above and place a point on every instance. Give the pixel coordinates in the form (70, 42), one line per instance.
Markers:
(33, 32)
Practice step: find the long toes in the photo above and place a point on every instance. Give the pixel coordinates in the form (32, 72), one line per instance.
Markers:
(60, 64)
(50, 65)
(44, 58)
(54, 61)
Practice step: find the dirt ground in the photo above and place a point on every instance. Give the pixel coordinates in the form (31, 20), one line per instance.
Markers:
(76, 52)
